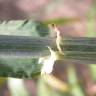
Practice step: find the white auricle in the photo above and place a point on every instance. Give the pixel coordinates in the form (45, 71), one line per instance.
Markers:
(48, 62)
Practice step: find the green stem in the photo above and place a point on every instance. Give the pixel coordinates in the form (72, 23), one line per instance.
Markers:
(22, 65)
(24, 46)
(80, 49)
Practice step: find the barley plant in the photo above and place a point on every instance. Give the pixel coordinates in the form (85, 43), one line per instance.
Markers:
(58, 64)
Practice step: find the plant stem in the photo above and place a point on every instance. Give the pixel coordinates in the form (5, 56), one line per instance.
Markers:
(26, 51)
(24, 46)
(80, 49)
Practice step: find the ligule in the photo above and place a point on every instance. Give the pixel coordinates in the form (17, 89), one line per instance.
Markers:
(76, 48)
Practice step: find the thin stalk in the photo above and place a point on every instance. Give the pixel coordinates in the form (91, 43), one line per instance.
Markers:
(81, 49)
(24, 46)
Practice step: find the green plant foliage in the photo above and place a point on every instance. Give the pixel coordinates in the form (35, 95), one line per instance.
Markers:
(17, 67)
(91, 33)
(45, 89)
(81, 49)
(24, 46)
(76, 90)
(37, 38)
(24, 28)
(62, 21)
(17, 87)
